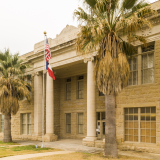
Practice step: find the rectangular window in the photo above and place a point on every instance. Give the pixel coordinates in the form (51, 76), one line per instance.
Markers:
(101, 125)
(80, 123)
(26, 123)
(68, 91)
(133, 79)
(29, 123)
(148, 65)
(80, 87)
(68, 122)
(2, 123)
(140, 124)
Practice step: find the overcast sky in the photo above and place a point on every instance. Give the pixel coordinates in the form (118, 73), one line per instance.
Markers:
(22, 22)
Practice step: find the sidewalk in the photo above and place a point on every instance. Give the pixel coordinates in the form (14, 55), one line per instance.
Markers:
(74, 145)
(25, 156)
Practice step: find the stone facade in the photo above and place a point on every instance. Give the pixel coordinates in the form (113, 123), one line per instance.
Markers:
(143, 95)
(67, 64)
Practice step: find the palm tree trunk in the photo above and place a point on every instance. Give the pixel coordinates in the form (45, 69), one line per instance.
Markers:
(110, 149)
(7, 129)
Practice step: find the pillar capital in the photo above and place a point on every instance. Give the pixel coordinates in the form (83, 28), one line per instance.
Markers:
(89, 57)
(37, 74)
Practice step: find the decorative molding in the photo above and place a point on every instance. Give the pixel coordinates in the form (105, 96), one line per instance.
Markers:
(36, 74)
(40, 54)
(89, 57)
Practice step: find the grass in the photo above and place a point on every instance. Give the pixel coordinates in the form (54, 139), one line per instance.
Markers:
(8, 143)
(28, 148)
(83, 156)
(6, 151)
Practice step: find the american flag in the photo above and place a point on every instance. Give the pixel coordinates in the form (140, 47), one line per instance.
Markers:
(48, 53)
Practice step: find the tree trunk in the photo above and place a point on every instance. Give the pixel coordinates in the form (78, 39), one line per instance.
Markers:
(7, 129)
(110, 149)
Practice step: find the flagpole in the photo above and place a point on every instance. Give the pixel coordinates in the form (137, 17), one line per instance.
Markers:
(43, 96)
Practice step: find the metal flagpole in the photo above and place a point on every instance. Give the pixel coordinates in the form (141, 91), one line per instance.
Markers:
(43, 96)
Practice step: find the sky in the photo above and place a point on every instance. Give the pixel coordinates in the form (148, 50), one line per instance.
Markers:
(22, 22)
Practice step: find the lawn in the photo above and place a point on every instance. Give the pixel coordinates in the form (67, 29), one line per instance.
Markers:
(8, 150)
(8, 143)
(83, 156)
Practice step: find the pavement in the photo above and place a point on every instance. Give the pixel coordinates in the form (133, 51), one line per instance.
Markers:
(73, 145)
(26, 156)
(64, 144)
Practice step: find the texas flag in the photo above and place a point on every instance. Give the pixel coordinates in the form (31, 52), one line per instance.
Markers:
(50, 72)
(48, 57)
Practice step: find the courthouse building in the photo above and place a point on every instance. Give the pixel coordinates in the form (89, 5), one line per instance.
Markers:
(74, 107)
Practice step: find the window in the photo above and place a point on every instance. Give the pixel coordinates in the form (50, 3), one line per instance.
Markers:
(1, 123)
(142, 65)
(148, 68)
(140, 124)
(68, 122)
(101, 125)
(80, 87)
(133, 79)
(101, 93)
(68, 89)
(26, 123)
(80, 123)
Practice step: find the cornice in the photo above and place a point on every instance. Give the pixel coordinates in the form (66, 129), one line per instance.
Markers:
(52, 49)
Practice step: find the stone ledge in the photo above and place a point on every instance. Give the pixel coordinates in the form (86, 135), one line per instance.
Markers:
(149, 149)
(89, 141)
(50, 137)
(99, 144)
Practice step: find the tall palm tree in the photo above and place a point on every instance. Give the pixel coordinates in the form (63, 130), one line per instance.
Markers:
(13, 88)
(105, 24)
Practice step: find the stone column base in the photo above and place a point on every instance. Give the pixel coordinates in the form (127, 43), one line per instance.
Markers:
(49, 137)
(89, 141)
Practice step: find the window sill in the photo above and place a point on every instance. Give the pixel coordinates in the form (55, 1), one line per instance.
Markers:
(141, 143)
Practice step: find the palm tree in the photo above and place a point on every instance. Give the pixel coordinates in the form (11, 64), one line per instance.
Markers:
(105, 24)
(13, 88)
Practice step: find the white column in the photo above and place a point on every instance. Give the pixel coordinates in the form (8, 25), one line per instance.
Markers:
(49, 105)
(50, 136)
(38, 104)
(91, 108)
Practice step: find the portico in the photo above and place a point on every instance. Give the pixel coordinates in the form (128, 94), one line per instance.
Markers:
(78, 111)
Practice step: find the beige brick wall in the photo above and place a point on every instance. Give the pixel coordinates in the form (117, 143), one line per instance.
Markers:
(73, 106)
(61, 106)
(57, 106)
(144, 95)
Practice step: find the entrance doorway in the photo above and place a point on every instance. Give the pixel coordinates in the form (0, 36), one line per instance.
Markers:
(100, 125)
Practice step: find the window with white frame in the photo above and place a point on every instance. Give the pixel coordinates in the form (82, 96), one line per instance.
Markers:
(1, 123)
(140, 124)
(68, 122)
(80, 87)
(26, 123)
(133, 79)
(68, 89)
(80, 123)
(148, 67)
(142, 65)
